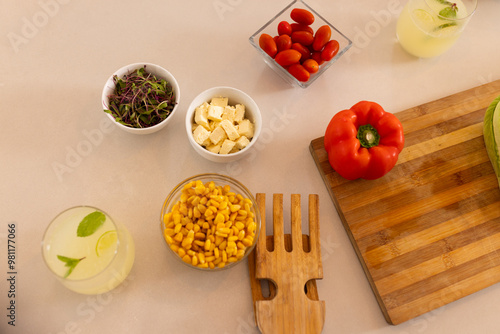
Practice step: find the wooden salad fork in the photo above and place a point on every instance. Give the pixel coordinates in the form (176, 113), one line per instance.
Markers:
(292, 263)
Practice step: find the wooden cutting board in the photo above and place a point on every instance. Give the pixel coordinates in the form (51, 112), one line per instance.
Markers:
(428, 232)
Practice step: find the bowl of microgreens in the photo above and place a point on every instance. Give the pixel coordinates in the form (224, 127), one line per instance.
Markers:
(141, 98)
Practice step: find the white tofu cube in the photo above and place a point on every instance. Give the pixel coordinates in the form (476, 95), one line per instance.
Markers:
(242, 142)
(239, 113)
(227, 146)
(231, 131)
(219, 101)
(200, 116)
(218, 135)
(215, 113)
(246, 128)
(200, 135)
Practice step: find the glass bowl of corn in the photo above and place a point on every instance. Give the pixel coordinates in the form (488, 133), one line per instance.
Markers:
(210, 222)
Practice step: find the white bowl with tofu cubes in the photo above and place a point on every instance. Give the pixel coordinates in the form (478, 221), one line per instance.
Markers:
(223, 123)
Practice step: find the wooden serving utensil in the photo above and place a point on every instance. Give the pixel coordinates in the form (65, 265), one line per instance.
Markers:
(292, 263)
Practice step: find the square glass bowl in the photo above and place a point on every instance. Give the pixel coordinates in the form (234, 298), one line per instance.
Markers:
(271, 28)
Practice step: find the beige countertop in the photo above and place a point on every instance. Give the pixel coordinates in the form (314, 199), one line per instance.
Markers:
(56, 57)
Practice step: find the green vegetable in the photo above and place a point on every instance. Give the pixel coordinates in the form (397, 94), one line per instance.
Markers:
(141, 99)
(491, 134)
(90, 223)
(70, 263)
(449, 12)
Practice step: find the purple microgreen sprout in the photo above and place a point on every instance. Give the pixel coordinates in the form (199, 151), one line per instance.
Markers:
(140, 99)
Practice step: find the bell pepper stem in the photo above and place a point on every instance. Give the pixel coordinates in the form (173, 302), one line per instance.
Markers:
(368, 136)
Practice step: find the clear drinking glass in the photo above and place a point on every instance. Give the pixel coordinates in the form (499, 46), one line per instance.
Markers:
(87, 250)
(428, 28)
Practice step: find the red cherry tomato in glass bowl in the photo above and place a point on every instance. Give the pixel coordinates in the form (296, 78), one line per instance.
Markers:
(311, 65)
(284, 42)
(301, 27)
(299, 72)
(267, 43)
(284, 28)
(303, 37)
(288, 57)
(317, 56)
(330, 50)
(303, 16)
(321, 37)
(306, 54)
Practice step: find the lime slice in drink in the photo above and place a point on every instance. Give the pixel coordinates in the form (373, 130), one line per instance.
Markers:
(106, 240)
(423, 16)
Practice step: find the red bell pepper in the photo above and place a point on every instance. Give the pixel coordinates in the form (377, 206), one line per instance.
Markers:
(364, 141)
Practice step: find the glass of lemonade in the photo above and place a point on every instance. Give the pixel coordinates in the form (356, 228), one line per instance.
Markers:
(87, 251)
(427, 28)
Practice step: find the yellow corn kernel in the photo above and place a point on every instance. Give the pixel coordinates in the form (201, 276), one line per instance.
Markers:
(217, 261)
(178, 237)
(203, 265)
(181, 252)
(177, 228)
(216, 253)
(233, 216)
(205, 226)
(190, 252)
(199, 235)
(220, 234)
(240, 245)
(189, 226)
(167, 218)
(186, 258)
(208, 242)
(169, 231)
(239, 225)
(242, 213)
(221, 265)
(199, 243)
(219, 219)
(196, 212)
(174, 247)
(211, 265)
(177, 218)
(203, 201)
(247, 241)
(186, 243)
(232, 259)
(235, 207)
(210, 258)
(168, 239)
(223, 245)
(251, 227)
(232, 239)
(240, 253)
(223, 205)
(196, 228)
(241, 235)
(224, 256)
(201, 258)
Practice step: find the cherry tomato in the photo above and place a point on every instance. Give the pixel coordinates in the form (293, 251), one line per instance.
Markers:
(284, 28)
(288, 57)
(284, 42)
(306, 54)
(321, 37)
(303, 16)
(267, 43)
(303, 37)
(311, 65)
(330, 50)
(301, 27)
(317, 56)
(299, 72)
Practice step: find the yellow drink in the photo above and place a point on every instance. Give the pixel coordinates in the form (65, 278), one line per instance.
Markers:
(87, 250)
(427, 28)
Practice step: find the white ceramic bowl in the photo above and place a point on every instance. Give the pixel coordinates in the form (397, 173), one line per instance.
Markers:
(235, 96)
(160, 72)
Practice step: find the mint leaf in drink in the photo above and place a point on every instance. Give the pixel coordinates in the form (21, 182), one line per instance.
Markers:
(449, 12)
(70, 263)
(444, 2)
(90, 223)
